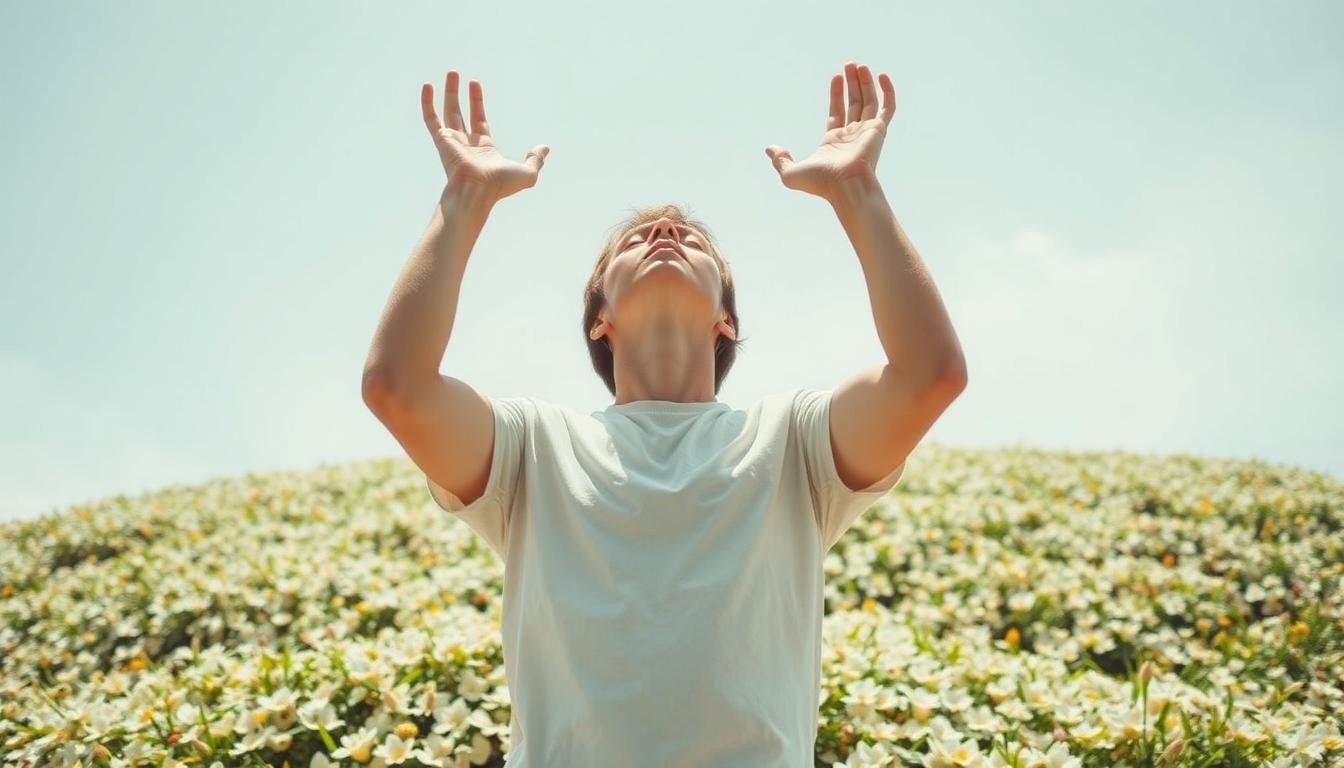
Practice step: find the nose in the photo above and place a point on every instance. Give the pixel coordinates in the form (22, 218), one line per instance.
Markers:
(663, 228)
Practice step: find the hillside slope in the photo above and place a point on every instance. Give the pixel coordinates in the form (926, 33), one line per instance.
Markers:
(995, 609)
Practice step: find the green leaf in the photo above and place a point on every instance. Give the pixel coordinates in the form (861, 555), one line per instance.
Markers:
(326, 738)
(205, 726)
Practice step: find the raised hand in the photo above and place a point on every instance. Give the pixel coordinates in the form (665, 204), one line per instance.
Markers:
(469, 155)
(853, 138)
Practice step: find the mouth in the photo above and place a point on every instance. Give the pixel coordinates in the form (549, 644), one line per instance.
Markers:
(671, 248)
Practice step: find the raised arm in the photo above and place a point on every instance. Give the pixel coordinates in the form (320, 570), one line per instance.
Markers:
(417, 322)
(446, 426)
(878, 415)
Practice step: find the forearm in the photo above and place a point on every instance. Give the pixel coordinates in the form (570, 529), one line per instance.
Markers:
(912, 323)
(417, 322)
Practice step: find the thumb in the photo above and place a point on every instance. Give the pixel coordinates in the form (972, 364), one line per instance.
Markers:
(536, 156)
(779, 156)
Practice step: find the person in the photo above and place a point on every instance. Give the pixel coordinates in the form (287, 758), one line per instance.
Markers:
(663, 586)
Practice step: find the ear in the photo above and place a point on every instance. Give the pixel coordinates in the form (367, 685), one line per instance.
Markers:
(725, 326)
(599, 329)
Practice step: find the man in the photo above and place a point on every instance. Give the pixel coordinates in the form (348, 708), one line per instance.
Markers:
(663, 590)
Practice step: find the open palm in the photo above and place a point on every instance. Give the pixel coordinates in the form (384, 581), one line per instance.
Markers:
(467, 152)
(853, 138)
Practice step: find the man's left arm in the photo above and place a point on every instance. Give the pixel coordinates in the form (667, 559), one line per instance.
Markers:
(881, 413)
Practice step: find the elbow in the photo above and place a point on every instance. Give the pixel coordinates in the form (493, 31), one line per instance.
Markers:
(377, 389)
(951, 378)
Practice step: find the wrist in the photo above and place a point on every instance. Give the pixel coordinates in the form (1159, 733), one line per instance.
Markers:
(854, 191)
(468, 196)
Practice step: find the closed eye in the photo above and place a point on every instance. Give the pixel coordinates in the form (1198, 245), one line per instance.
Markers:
(688, 239)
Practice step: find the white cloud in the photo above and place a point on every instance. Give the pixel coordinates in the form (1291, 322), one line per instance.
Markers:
(1143, 348)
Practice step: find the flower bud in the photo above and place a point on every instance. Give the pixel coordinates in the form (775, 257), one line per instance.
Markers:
(280, 741)
(1173, 750)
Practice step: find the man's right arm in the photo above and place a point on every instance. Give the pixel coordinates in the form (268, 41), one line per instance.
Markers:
(446, 427)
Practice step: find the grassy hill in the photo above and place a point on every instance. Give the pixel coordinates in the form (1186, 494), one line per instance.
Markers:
(1009, 607)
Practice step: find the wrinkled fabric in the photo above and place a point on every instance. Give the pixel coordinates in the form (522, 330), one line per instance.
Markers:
(662, 577)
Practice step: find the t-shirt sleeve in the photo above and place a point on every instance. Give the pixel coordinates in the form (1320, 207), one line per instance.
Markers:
(490, 515)
(834, 504)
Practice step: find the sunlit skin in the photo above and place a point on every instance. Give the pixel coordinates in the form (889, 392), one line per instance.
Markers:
(468, 153)
(664, 313)
(853, 138)
(662, 339)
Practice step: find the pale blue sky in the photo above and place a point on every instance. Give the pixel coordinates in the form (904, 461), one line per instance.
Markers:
(1130, 210)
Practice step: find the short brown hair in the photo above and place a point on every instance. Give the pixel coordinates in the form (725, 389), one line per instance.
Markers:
(594, 299)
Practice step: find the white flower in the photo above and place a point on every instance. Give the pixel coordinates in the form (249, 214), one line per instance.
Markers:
(314, 712)
(1058, 757)
(357, 746)
(867, 755)
(395, 749)
(279, 701)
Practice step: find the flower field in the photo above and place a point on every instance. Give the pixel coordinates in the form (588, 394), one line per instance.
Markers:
(999, 608)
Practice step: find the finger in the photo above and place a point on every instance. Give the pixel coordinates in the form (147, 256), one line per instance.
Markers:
(779, 157)
(427, 109)
(452, 113)
(477, 96)
(869, 93)
(855, 95)
(837, 118)
(536, 157)
(888, 98)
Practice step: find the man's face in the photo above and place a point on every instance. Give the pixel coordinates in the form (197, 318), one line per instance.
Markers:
(668, 267)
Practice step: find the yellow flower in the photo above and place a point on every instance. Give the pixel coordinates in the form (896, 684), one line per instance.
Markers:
(1297, 632)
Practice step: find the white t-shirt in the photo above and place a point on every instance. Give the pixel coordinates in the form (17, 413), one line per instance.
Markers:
(662, 577)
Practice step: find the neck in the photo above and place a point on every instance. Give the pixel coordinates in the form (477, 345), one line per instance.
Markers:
(677, 367)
